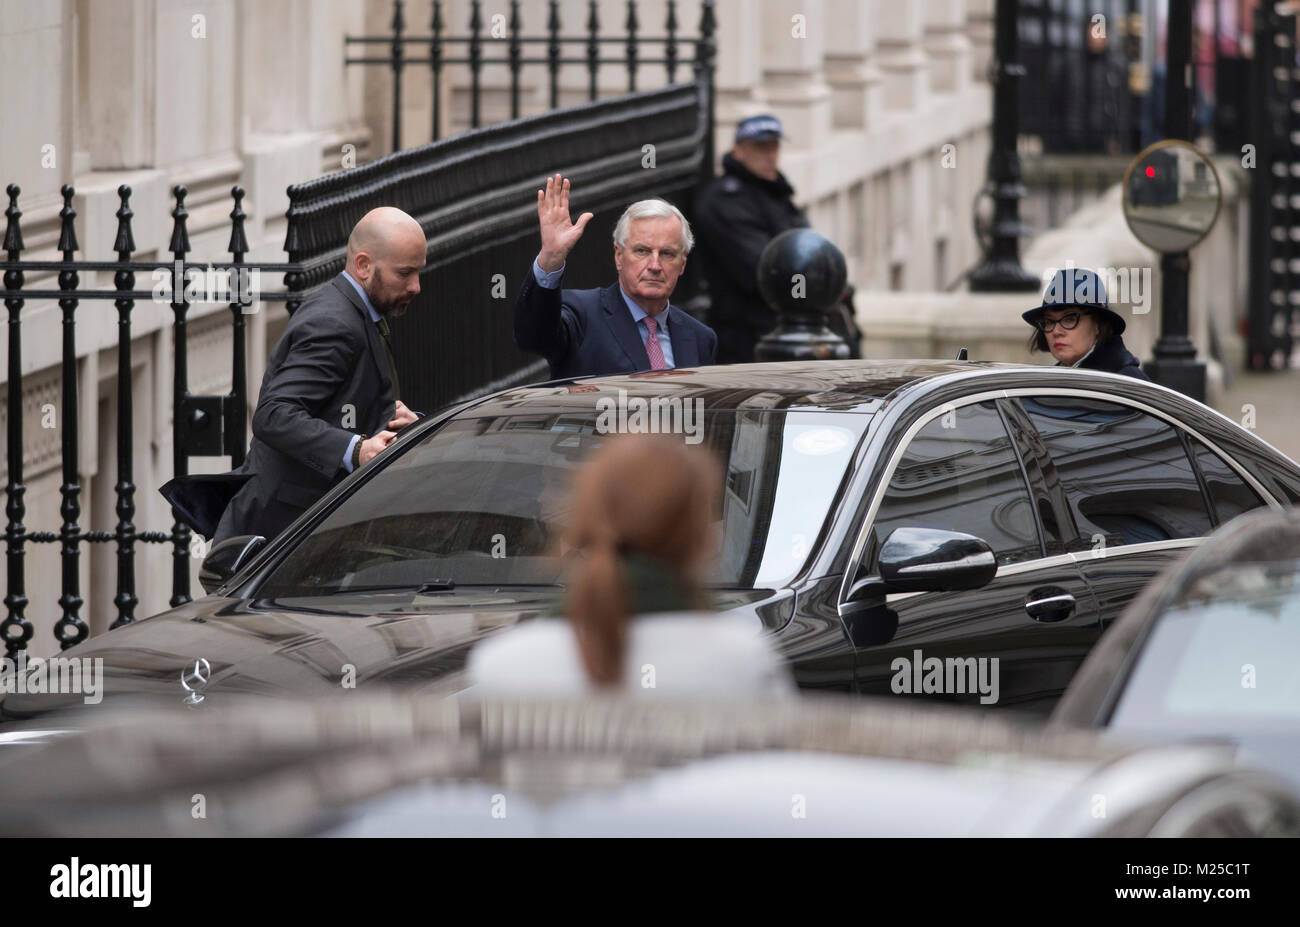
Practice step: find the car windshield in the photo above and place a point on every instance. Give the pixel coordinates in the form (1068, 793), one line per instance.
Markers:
(482, 501)
(1225, 660)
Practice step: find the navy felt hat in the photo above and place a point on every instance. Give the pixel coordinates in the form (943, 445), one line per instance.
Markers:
(1080, 288)
(759, 129)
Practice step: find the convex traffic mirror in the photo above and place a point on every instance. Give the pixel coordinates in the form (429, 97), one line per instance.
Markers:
(1172, 196)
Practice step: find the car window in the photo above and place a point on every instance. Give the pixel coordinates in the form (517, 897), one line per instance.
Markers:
(1223, 659)
(1126, 474)
(483, 501)
(960, 473)
(1229, 494)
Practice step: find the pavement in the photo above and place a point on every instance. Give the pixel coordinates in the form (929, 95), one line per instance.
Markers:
(1270, 401)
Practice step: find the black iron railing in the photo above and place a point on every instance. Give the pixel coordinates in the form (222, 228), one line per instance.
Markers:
(202, 425)
(474, 50)
(474, 195)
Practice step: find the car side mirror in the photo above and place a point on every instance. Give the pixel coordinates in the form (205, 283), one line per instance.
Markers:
(934, 560)
(869, 621)
(227, 558)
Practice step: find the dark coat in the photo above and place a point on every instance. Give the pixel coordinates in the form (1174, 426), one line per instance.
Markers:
(1111, 355)
(327, 380)
(736, 215)
(582, 332)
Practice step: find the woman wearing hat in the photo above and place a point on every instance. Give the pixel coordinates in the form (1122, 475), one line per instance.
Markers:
(1076, 324)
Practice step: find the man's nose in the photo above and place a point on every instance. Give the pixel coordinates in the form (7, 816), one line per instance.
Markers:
(654, 261)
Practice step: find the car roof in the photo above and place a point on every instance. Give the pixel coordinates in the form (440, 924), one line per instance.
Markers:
(845, 386)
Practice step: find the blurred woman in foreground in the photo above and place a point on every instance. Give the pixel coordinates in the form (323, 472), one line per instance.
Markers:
(642, 524)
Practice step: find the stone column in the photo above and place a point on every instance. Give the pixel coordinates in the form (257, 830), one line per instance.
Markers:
(902, 58)
(794, 42)
(979, 29)
(850, 64)
(739, 73)
(118, 60)
(947, 45)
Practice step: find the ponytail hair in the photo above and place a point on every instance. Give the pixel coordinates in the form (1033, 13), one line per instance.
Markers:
(599, 607)
(648, 495)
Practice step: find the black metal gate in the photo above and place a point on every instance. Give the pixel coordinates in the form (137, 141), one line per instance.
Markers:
(1275, 187)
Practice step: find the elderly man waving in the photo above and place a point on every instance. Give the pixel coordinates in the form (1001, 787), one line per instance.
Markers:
(627, 327)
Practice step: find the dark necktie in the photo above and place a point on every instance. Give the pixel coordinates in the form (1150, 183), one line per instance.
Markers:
(387, 335)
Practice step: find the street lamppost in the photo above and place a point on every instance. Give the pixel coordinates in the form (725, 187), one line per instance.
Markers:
(1001, 269)
(1175, 364)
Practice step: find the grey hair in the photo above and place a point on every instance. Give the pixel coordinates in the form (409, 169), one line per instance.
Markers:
(653, 209)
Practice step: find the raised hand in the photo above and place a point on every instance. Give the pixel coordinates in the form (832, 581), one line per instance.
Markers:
(559, 232)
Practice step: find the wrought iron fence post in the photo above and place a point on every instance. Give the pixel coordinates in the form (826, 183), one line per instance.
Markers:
(124, 281)
(516, 55)
(553, 51)
(705, 50)
(435, 63)
(632, 26)
(399, 22)
(475, 60)
(593, 49)
(294, 280)
(180, 246)
(237, 408)
(17, 630)
(70, 628)
(670, 45)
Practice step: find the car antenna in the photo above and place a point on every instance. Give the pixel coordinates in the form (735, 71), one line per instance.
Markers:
(962, 355)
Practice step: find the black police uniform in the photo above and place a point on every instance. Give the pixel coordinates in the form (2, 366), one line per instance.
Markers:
(736, 215)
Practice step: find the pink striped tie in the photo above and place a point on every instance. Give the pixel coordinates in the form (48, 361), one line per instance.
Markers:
(652, 348)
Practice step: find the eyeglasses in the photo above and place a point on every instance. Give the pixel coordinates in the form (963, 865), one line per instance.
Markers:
(1068, 322)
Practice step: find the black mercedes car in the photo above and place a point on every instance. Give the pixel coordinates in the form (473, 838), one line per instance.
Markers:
(953, 530)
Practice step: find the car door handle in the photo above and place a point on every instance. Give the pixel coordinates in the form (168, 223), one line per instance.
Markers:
(1051, 608)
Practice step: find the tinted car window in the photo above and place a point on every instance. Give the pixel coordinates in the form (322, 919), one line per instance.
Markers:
(483, 501)
(1223, 663)
(1229, 494)
(1126, 474)
(960, 473)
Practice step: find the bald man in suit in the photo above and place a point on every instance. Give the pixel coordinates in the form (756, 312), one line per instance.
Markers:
(330, 399)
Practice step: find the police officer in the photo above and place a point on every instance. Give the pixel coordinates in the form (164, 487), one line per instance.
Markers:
(736, 215)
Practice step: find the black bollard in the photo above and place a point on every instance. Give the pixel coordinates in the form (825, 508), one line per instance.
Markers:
(801, 276)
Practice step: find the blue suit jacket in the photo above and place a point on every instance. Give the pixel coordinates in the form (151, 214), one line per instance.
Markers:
(582, 332)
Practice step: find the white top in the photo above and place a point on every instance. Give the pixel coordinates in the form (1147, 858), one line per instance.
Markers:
(669, 655)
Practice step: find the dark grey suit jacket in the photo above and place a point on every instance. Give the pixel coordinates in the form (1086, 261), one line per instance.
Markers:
(327, 380)
(582, 332)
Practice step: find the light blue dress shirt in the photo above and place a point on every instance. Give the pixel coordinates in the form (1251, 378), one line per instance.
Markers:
(374, 317)
(552, 280)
